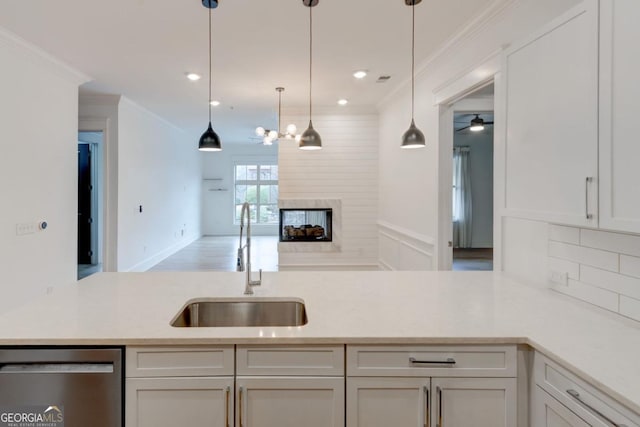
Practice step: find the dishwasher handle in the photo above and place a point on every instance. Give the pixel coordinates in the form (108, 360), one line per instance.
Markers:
(56, 368)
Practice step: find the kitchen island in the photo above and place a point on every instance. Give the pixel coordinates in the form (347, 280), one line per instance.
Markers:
(345, 308)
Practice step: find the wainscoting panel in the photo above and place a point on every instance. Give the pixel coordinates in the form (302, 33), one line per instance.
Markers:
(401, 249)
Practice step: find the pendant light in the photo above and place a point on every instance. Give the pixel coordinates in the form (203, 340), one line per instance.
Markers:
(310, 138)
(413, 137)
(210, 141)
(270, 136)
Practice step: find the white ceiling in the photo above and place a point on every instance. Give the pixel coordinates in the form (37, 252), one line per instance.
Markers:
(142, 49)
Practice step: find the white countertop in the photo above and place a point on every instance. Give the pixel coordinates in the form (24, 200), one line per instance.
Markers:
(345, 308)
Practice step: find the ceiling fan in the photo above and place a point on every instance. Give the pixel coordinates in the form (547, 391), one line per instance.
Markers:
(477, 124)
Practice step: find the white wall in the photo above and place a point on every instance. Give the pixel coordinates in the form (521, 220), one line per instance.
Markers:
(159, 169)
(345, 169)
(409, 178)
(481, 165)
(38, 171)
(218, 206)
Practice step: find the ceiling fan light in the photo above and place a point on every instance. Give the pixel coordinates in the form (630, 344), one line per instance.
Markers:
(477, 124)
(413, 137)
(310, 139)
(209, 141)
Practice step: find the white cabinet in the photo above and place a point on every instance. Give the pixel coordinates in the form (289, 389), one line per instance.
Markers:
(551, 121)
(548, 412)
(202, 386)
(431, 385)
(290, 386)
(170, 402)
(290, 401)
(383, 402)
(590, 406)
(179, 386)
(619, 113)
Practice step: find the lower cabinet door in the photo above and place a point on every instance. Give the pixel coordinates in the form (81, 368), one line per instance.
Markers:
(546, 411)
(185, 402)
(290, 401)
(473, 402)
(389, 401)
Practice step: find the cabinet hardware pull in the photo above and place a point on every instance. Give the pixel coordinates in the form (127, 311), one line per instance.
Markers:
(586, 197)
(226, 407)
(449, 361)
(439, 392)
(579, 399)
(240, 406)
(427, 417)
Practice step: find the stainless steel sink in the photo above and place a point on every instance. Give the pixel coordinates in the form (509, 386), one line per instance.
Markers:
(242, 312)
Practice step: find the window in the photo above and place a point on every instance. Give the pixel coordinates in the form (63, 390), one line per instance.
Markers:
(257, 185)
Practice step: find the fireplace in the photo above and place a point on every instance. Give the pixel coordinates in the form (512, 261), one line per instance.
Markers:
(306, 225)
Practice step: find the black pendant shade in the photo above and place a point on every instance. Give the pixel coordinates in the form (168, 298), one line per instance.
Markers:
(210, 141)
(413, 137)
(310, 139)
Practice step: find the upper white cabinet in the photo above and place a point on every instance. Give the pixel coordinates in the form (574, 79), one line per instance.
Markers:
(551, 126)
(619, 113)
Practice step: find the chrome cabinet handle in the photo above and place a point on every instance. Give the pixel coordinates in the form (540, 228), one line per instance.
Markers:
(586, 197)
(427, 417)
(439, 392)
(449, 361)
(226, 410)
(240, 406)
(578, 398)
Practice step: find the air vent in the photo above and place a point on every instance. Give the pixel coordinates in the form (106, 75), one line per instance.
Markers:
(383, 79)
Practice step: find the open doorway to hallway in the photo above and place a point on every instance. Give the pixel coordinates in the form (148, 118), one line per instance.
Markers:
(89, 203)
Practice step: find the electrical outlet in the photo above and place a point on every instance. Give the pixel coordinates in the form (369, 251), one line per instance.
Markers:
(559, 277)
(26, 228)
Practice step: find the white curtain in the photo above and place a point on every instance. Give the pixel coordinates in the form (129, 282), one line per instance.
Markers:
(462, 209)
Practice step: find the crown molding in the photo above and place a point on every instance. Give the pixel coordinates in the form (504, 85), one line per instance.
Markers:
(471, 29)
(41, 58)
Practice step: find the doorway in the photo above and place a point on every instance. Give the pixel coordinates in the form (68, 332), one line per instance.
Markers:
(89, 239)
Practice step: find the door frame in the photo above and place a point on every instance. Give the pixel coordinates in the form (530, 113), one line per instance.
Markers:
(105, 225)
(96, 200)
(483, 74)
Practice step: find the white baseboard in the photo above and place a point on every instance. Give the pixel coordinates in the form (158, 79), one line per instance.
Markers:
(328, 267)
(165, 253)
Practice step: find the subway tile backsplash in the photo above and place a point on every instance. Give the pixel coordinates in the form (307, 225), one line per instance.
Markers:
(599, 267)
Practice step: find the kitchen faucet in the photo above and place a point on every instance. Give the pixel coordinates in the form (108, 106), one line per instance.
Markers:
(241, 264)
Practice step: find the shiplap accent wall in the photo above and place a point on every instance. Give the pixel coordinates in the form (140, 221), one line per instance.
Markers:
(346, 169)
(602, 268)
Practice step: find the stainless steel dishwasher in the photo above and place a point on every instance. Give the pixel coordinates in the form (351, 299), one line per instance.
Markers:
(61, 387)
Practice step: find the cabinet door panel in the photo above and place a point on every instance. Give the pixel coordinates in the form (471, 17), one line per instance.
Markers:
(548, 412)
(619, 94)
(551, 129)
(474, 402)
(383, 402)
(187, 402)
(290, 401)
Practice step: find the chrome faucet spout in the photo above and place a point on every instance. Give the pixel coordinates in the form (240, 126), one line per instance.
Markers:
(241, 263)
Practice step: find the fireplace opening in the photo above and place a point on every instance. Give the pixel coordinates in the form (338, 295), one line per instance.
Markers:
(305, 225)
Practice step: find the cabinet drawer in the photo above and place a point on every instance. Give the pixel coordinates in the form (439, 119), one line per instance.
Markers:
(441, 361)
(595, 407)
(288, 360)
(179, 361)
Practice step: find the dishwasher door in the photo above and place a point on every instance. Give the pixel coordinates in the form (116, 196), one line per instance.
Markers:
(61, 387)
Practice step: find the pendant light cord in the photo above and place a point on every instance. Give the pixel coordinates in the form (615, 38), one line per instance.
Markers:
(279, 110)
(209, 65)
(310, 56)
(413, 52)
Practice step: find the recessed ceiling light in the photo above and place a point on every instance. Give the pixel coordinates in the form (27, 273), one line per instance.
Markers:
(193, 77)
(215, 103)
(360, 74)
(343, 101)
